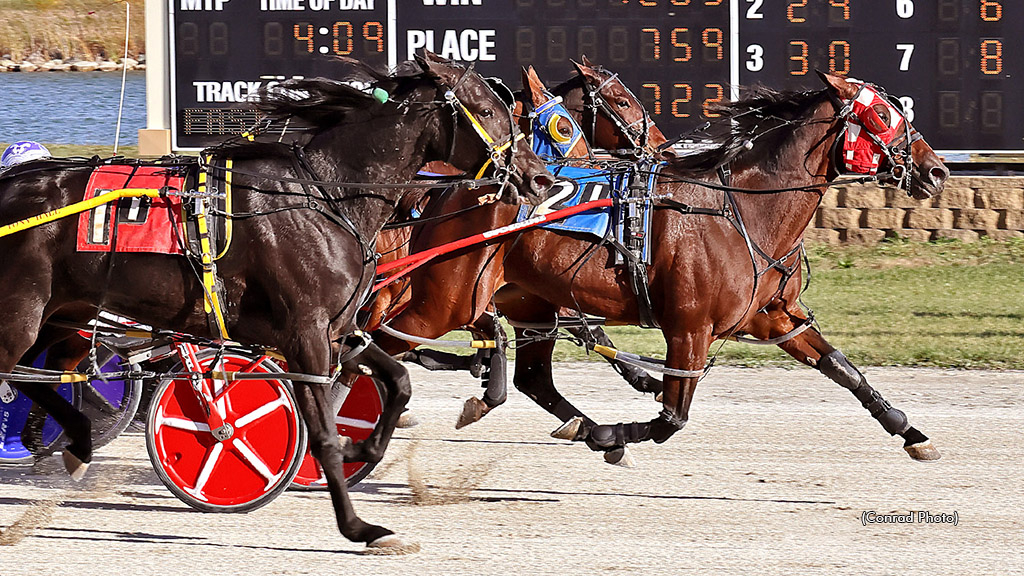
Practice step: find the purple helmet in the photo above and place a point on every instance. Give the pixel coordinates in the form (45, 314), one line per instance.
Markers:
(23, 151)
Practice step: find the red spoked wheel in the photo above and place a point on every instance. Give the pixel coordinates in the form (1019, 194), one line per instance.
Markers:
(356, 419)
(261, 447)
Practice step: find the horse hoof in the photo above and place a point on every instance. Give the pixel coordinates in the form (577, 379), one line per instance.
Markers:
(620, 457)
(923, 451)
(391, 545)
(75, 467)
(472, 411)
(658, 397)
(569, 430)
(407, 420)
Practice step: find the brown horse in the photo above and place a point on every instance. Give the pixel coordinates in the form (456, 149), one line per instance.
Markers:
(599, 105)
(725, 259)
(299, 265)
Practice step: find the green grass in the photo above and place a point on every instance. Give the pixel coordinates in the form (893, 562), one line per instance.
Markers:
(944, 304)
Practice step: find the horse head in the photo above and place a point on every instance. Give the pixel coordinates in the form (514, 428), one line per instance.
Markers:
(484, 123)
(562, 136)
(612, 113)
(878, 138)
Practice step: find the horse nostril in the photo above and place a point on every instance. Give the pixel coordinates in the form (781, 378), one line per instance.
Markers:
(938, 175)
(542, 183)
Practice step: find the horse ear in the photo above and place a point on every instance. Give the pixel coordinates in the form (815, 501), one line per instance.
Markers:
(843, 89)
(533, 83)
(432, 63)
(586, 70)
(586, 61)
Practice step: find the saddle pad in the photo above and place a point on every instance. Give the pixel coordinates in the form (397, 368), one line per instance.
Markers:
(143, 224)
(576, 185)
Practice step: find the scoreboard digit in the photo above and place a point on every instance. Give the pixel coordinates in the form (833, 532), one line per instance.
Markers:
(954, 64)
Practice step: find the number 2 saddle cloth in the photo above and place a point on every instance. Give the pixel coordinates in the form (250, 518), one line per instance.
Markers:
(625, 225)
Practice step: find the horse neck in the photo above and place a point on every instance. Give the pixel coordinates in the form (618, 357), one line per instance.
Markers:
(777, 221)
(383, 153)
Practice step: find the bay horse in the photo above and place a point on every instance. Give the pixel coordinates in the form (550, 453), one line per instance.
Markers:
(609, 117)
(725, 262)
(297, 269)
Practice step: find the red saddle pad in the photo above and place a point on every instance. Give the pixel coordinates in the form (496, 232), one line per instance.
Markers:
(152, 225)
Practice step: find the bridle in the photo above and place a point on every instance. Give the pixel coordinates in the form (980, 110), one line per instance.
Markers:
(501, 154)
(594, 102)
(896, 150)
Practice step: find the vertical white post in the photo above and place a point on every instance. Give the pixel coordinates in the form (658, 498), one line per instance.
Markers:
(156, 138)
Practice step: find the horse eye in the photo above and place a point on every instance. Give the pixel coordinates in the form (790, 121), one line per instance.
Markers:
(564, 128)
(487, 113)
(623, 103)
(883, 114)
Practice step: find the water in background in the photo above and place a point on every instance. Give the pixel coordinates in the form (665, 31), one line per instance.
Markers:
(70, 107)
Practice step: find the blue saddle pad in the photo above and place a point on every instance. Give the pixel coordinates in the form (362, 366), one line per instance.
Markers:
(576, 185)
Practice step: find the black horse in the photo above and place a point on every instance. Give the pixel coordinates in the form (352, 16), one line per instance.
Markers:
(295, 275)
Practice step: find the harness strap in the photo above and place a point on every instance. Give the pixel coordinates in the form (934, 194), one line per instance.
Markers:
(213, 288)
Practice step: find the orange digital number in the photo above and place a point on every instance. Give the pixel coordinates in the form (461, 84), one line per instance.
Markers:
(687, 96)
(712, 38)
(339, 28)
(991, 10)
(680, 2)
(717, 98)
(308, 37)
(656, 90)
(800, 57)
(657, 41)
(991, 57)
(791, 11)
(844, 4)
(376, 36)
(712, 2)
(839, 51)
(682, 45)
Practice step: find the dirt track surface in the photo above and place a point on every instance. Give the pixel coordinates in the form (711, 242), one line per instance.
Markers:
(771, 476)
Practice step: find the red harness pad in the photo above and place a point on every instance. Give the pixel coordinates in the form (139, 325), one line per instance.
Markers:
(143, 224)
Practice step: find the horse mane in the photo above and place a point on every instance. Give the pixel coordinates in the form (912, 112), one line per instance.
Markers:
(754, 127)
(326, 102)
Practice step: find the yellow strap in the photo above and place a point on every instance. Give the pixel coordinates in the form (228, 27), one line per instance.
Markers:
(605, 351)
(476, 125)
(76, 208)
(211, 300)
(227, 208)
(482, 344)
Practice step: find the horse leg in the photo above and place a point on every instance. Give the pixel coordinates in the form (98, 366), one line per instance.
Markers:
(638, 378)
(377, 364)
(491, 367)
(311, 356)
(64, 351)
(687, 352)
(811, 348)
(25, 304)
(533, 377)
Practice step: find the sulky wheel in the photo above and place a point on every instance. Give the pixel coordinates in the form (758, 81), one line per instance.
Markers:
(356, 419)
(111, 403)
(257, 458)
